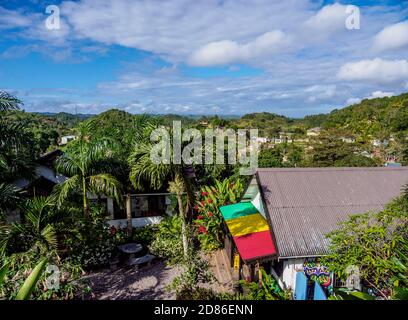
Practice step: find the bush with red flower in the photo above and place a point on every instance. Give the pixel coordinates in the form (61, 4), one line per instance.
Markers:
(209, 222)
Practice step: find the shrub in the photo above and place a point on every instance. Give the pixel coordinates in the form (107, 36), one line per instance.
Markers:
(266, 289)
(375, 243)
(145, 235)
(91, 243)
(209, 222)
(167, 243)
(187, 285)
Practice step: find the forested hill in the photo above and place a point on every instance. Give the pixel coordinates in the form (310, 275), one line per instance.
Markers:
(380, 116)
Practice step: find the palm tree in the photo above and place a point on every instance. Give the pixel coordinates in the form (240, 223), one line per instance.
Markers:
(143, 170)
(86, 166)
(37, 232)
(8, 102)
(16, 158)
(136, 133)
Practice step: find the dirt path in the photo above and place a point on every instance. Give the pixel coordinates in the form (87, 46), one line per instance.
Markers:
(148, 283)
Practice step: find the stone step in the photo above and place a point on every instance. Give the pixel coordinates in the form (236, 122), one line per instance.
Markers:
(138, 261)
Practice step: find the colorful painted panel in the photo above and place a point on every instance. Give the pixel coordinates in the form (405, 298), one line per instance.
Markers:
(249, 230)
(246, 225)
(318, 292)
(237, 210)
(301, 286)
(315, 271)
(258, 244)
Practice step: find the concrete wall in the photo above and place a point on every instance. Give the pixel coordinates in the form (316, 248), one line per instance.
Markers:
(290, 267)
(258, 203)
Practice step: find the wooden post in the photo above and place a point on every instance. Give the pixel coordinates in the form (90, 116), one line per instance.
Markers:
(129, 215)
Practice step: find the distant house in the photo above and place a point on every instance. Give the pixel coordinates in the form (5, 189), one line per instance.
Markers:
(43, 181)
(283, 218)
(376, 142)
(45, 177)
(348, 139)
(66, 139)
(366, 154)
(379, 143)
(313, 132)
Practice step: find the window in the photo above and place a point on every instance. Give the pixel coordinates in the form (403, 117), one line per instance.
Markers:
(148, 205)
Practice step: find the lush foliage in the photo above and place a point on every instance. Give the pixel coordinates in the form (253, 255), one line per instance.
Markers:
(266, 289)
(209, 222)
(330, 151)
(167, 243)
(374, 116)
(375, 243)
(188, 285)
(37, 232)
(21, 265)
(87, 165)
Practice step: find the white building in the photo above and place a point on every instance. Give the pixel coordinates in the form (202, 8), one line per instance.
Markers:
(66, 139)
(313, 132)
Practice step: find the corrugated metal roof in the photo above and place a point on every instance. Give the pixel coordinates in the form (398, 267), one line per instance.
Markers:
(304, 204)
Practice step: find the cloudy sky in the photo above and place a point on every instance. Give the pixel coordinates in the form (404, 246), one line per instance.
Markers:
(292, 57)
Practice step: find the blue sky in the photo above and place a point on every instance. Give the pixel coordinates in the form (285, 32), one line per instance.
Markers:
(293, 57)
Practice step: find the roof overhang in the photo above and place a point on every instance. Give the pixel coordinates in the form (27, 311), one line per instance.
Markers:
(250, 231)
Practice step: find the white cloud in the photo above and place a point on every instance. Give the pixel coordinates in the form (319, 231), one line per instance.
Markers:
(392, 37)
(326, 21)
(175, 29)
(373, 95)
(376, 70)
(320, 92)
(352, 101)
(381, 94)
(10, 19)
(227, 51)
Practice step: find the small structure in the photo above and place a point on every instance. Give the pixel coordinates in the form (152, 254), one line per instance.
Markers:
(293, 209)
(313, 132)
(146, 208)
(66, 139)
(43, 182)
(348, 139)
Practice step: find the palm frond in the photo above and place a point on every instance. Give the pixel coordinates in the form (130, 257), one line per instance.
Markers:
(49, 236)
(106, 184)
(10, 196)
(68, 165)
(143, 171)
(37, 212)
(63, 190)
(8, 101)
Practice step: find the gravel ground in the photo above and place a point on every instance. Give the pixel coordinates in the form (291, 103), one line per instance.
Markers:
(148, 283)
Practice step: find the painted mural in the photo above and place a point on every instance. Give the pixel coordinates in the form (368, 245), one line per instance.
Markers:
(315, 271)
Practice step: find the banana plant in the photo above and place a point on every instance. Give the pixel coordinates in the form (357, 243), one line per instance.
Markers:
(3, 272)
(29, 284)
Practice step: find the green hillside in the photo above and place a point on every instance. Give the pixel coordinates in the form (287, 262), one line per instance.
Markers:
(378, 117)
